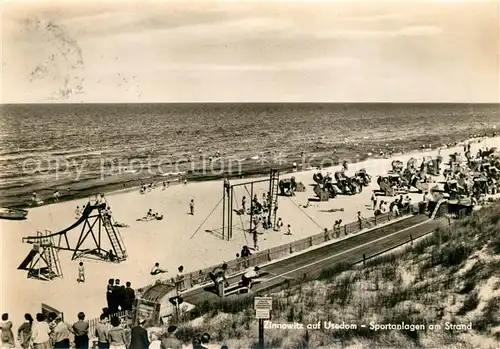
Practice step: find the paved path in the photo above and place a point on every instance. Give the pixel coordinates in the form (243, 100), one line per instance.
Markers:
(311, 263)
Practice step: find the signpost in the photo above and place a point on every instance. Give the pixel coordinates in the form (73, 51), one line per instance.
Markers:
(263, 307)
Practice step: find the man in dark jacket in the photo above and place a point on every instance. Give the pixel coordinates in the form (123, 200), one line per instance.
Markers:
(118, 293)
(111, 297)
(139, 336)
(129, 297)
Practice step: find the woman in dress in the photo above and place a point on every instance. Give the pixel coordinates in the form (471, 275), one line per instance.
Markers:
(24, 332)
(7, 335)
(117, 336)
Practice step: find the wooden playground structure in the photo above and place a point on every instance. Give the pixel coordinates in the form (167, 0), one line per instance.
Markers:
(98, 227)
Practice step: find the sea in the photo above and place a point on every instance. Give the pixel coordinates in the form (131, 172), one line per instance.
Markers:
(79, 149)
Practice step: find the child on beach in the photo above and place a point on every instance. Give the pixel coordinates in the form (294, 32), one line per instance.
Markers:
(336, 228)
(81, 273)
(374, 201)
(191, 207)
(288, 230)
(255, 239)
(360, 219)
(279, 224)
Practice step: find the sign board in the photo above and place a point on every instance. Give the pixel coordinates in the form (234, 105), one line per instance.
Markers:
(263, 314)
(263, 303)
(148, 310)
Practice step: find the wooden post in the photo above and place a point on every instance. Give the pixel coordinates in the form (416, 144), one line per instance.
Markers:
(311, 241)
(269, 255)
(364, 260)
(345, 230)
(230, 209)
(291, 250)
(251, 206)
(261, 334)
(223, 210)
(411, 240)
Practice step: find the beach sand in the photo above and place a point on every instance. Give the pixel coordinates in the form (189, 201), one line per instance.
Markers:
(171, 241)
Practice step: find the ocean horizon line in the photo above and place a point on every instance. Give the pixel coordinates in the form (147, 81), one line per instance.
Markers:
(250, 103)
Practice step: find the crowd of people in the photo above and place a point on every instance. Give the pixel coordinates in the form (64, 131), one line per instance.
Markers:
(395, 206)
(46, 332)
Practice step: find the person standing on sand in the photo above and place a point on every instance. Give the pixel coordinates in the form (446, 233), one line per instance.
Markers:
(24, 332)
(40, 333)
(360, 220)
(139, 336)
(374, 201)
(255, 237)
(129, 297)
(116, 335)
(7, 335)
(81, 273)
(101, 332)
(61, 333)
(81, 331)
(191, 207)
(169, 341)
(279, 224)
(395, 210)
(337, 228)
(34, 198)
(288, 230)
(244, 204)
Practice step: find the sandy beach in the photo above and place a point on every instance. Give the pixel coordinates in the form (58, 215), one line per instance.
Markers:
(178, 239)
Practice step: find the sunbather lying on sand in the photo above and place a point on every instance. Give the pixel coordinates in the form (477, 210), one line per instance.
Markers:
(151, 217)
(334, 210)
(121, 225)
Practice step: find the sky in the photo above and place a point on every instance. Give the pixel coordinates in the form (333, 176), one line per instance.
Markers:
(261, 51)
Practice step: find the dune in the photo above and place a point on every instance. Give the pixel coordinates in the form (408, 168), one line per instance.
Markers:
(178, 239)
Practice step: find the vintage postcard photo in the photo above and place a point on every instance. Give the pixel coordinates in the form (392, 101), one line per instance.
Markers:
(250, 174)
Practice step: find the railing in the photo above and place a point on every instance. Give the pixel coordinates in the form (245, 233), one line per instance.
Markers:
(94, 322)
(457, 215)
(237, 265)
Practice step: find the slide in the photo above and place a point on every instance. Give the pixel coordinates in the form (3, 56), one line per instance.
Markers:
(27, 260)
(85, 214)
